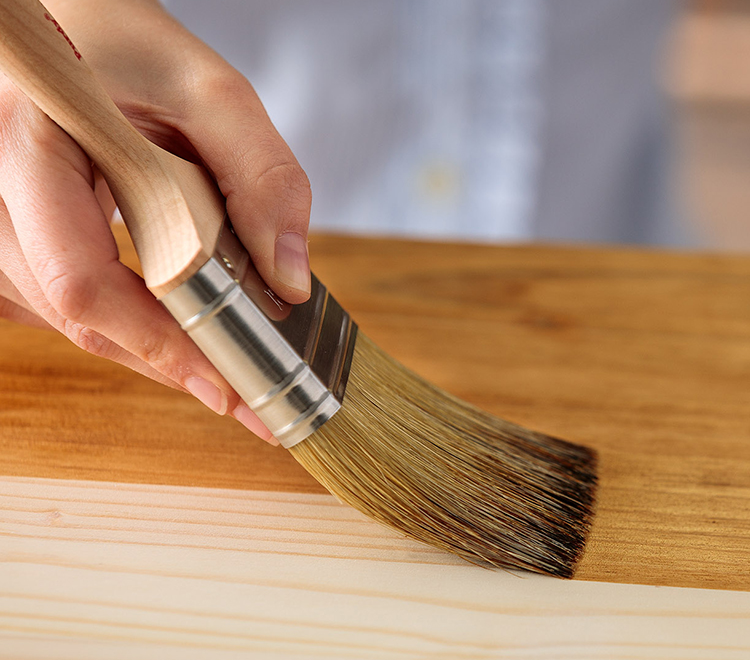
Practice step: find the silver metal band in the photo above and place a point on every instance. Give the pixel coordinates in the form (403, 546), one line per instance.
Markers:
(289, 363)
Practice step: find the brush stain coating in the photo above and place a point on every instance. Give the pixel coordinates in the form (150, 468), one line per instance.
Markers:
(441, 471)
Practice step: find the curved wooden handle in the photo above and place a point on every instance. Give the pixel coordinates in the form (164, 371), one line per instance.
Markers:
(171, 207)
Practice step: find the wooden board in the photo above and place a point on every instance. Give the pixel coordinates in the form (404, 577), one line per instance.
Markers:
(124, 571)
(643, 355)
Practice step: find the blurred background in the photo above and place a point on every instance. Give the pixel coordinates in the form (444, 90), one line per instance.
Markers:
(599, 121)
(708, 82)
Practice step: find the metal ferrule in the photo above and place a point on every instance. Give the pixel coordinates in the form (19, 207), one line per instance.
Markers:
(289, 363)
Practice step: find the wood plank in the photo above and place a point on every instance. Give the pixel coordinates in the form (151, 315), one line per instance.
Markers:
(643, 355)
(92, 569)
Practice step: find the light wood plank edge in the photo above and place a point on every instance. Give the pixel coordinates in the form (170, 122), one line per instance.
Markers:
(88, 568)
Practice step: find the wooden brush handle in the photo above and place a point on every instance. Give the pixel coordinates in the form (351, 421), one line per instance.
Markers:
(172, 208)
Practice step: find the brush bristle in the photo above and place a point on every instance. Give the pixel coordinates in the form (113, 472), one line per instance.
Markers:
(441, 471)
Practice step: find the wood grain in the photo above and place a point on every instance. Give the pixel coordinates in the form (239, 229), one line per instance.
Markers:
(95, 570)
(643, 355)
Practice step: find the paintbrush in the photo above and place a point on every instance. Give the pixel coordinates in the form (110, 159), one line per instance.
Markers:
(376, 435)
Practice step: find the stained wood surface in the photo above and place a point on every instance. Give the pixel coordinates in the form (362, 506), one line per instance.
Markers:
(96, 570)
(643, 355)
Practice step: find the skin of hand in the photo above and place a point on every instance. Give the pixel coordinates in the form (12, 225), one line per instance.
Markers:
(59, 264)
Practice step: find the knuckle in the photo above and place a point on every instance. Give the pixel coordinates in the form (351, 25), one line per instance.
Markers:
(287, 182)
(70, 293)
(21, 121)
(10, 113)
(221, 86)
(155, 352)
(11, 105)
(86, 338)
(44, 136)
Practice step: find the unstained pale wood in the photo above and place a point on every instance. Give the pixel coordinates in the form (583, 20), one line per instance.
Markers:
(643, 355)
(92, 570)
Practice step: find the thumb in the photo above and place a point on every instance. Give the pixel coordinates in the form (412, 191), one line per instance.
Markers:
(267, 192)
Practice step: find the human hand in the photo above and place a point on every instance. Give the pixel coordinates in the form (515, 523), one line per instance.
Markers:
(59, 265)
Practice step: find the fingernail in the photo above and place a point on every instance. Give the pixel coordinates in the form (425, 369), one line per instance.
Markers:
(251, 422)
(291, 263)
(207, 393)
